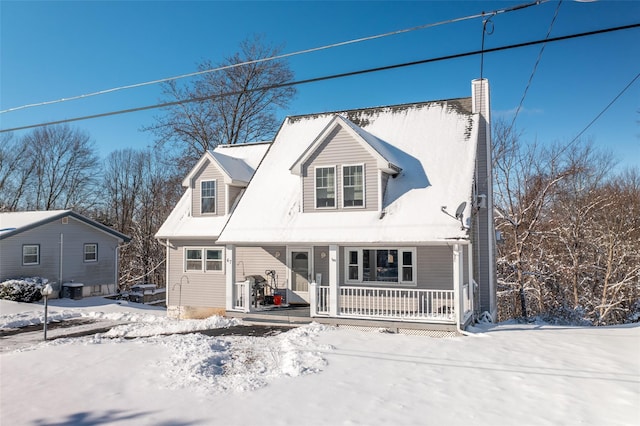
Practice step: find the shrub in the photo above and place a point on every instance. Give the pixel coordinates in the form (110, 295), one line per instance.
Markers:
(22, 289)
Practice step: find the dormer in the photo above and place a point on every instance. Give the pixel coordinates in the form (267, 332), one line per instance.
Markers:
(216, 182)
(345, 168)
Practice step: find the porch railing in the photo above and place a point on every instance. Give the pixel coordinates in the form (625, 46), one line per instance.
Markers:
(387, 303)
(242, 296)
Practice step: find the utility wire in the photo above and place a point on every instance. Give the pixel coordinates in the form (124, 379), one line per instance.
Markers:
(633, 80)
(535, 67)
(282, 56)
(330, 77)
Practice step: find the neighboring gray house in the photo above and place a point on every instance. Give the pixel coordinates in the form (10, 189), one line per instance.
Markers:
(370, 216)
(61, 246)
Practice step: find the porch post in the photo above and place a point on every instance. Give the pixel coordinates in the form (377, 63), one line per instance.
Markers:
(334, 290)
(458, 273)
(472, 285)
(230, 275)
(313, 299)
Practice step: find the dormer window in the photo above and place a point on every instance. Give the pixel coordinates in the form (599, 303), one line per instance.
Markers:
(353, 186)
(325, 187)
(208, 196)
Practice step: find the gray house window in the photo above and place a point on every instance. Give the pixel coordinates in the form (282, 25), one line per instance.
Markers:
(383, 265)
(31, 254)
(353, 186)
(325, 187)
(91, 252)
(208, 196)
(204, 259)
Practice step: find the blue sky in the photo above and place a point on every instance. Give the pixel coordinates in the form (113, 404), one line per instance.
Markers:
(53, 50)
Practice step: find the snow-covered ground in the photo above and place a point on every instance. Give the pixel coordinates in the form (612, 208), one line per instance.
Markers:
(505, 374)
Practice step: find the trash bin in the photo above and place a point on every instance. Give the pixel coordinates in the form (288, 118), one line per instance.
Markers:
(72, 290)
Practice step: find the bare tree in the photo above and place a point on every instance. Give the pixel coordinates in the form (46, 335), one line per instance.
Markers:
(15, 170)
(237, 104)
(64, 168)
(525, 178)
(140, 191)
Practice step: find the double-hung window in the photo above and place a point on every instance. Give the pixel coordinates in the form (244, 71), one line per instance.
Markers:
(91, 252)
(381, 265)
(213, 260)
(31, 254)
(207, 259)
(208, 196)
(353, 186)
(325, 187)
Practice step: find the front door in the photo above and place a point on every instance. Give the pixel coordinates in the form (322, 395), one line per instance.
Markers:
(300, 267)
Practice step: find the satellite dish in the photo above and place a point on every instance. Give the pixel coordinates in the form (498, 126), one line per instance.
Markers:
(460, 210)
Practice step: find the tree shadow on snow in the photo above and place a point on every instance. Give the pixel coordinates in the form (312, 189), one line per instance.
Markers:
(86, 418)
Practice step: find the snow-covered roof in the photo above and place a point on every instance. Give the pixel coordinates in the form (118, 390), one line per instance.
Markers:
(181, 224)
(434, 143)
(381, 151)
(12, 223)
(238, 162)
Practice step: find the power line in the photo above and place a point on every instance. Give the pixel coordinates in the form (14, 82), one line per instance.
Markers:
(282, 56)
(535, 67)
(330, 77)
(605, 109)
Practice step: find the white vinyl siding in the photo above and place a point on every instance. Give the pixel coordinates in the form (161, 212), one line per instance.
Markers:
(208, 196)
(91, 252)
(31, 254)
(353, 186)
(325, 178)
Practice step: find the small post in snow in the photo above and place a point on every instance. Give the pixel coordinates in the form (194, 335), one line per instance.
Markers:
(46, 292)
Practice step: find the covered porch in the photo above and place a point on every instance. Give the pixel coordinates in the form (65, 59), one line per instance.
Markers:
(340, 301)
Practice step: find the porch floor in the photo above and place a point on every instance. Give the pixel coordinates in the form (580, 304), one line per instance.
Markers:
(295, 316)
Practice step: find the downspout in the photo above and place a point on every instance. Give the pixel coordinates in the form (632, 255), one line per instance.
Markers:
(117, 269)
(61, 261)
(166, 272)
(166, 277)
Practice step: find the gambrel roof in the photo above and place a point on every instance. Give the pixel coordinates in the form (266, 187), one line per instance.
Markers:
(13, 223)
(432, 145)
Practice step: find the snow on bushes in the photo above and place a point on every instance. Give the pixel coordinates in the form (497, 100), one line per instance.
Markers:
(23, 289)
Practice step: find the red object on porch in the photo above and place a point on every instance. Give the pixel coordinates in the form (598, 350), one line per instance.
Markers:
(277, 299)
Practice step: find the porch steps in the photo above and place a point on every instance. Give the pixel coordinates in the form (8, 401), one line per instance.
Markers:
(271, 318)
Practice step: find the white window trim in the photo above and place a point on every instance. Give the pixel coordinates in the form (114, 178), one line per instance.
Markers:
(315, 187)
(360, 280)
(84, 253)
(364, 186)
(215, 197)
(203, 260)
(37, 246)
